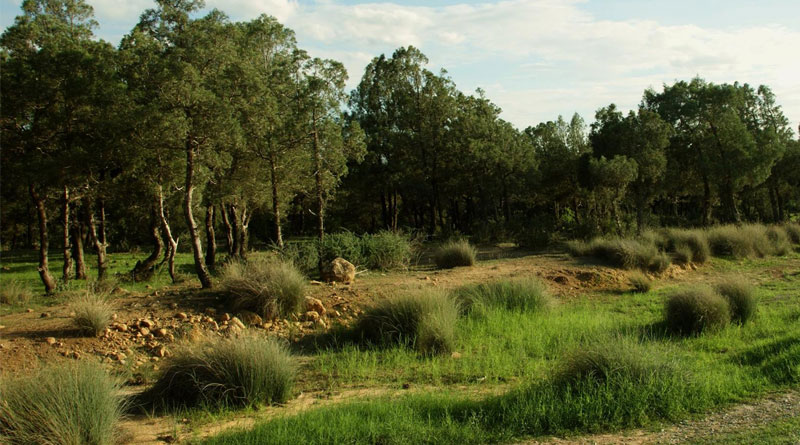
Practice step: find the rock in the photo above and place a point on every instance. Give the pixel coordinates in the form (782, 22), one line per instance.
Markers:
(114, 316)
(173, 305)
(250, 318)
(160, 352)
(50, 340)
(314, 304)
(146, 323)
(225, 317)
(121, 327)
(210, 311)
(144, 331)
(267, 325)
(119, 356)
(321, 323)
(45, 315)
(311, 316)
(161, 332)
(339, 270)
(455, 355)
(236, 323)
(29, 310)
(181, 316)
(316, 283)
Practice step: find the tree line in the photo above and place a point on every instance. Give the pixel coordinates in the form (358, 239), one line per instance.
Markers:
(195, 123)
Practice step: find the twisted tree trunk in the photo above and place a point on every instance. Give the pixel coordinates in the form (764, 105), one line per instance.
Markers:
(99, 236)
(44, 270)
(194, 236)
(144, 269)
(211, 241)
(172, 243)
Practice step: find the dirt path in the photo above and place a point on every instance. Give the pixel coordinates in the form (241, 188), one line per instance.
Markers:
(740, 418)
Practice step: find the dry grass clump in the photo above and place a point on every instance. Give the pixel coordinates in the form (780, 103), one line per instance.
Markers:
(792, 231)
(781, 244)
(269, 286)
(640, 282)
(92, 312)
(695, 310)
(694, 242)
(741, 298)
(424, 320)
(70, 403)
(15, 293)
(622, 252)
(618, 358)
(519, 295)
(249, 370)
(455, 254)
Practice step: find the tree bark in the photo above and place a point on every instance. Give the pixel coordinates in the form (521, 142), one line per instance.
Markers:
(244, 235)
(235, 229)
(211, 240)
(77, 248)
(172, 243)
(44, 270)
(228, 228)
(144, 269)
(67, 269)
(98, 236)
(318, 182)
(194, 236)
(276, 210)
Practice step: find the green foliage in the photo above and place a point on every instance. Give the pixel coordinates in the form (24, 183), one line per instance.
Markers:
(730, 241)
(268, 286)
(695, 310)
(303, 254)
(249, 370)
(519, 295)
(346, 245)
(640, 282)
(423, 320)
(793, 231)
(623, 253)
(781, 245)
(14, 292)
(387, 250)
(691, 241)
(455, 254)
(92, 311)
(67, 403)
(740, 295)
(617, 358)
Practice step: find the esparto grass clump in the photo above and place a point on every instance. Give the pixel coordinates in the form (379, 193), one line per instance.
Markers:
(741, 298)
(517, 295)
(67, 403)
(624, 253)
(15, 293)
(455, 254)
(689, 245)
(425, 321)
(249, 370)
(694, 310)
(613, 359)
(640, 282)
(268, 286)
(92, 312)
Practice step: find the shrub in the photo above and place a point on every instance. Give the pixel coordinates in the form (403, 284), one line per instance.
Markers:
(578, 248)
(15, 293)
(741, 299)
(239, 371)
(303, 254)
(520, 295)
(694, 241)
(659, 238)
(623, 253)
(613, 359)
(455, 254)
(268, 286)
(346, 245)
(387, 250)
(760, 243)
(640, 282)
(729, 240)
(93, 312)
(424, 320)
(694, 310)
(777, 236)
(793, 231)
(71, 403)
(659, 263)
(683, 254)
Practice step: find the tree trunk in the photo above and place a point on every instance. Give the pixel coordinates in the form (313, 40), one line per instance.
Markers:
(276, 210)
(144, 269)
(67, 269)
(44, 270)
(235, 230)
(318, 181)
(244, 235)
(77, 249)
(194, 236)
(98, 236)
(228, 228)
(172, 243)
(706, 202)
(211, 240)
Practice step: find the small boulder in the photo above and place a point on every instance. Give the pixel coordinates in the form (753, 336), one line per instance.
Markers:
(235, 322)
(50, 340)
(160, 332)
(339, 270)
(311, 316)
(181, 316)
(146, 323)
(210, 311)
(314, 304)
(144, 331)
(225, 317)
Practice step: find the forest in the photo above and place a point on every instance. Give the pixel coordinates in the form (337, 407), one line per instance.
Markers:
(196, 130)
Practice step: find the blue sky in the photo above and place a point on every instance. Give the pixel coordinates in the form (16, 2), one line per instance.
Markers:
(538, 59)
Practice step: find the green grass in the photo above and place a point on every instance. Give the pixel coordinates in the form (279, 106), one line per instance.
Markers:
(524, 351)
(518, 295)
(455, 254)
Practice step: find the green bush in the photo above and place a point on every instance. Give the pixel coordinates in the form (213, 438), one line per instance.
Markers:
(781, 244)
(249, 370)
(92, 312)
(623, 253)
(682, 254)
(616, 358)
(15, 293)
(741, 298)
(520, 295)
(387, 250)
(640, 282)
(793, 231)
(659, 238)
(424, 320)
(346, 245)
(303, 254)
(695, 310)
(69, 403)
(695, 241)
(455, 254)
(268, 286)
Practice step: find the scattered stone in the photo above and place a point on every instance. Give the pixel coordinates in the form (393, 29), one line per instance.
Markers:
(173, 305)
(147, 323)
(181, 316)
(225, 317)
(45, 315)
(339, 270)
(160, 352)
(29, 310)
(144, 331)
(314, 304)
(235, 322)
(321, 323)
(114, 316)
(121, 327)
(50, 340)
(267, 325)
(250, 318)
(161, 332)
(311, 316)
(316, 283)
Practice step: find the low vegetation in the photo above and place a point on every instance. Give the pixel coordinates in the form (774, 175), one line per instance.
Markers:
(522, 295)
(691, 246)
(617, 358)
(623, 253)
(268, 286)
(92, 312)
(425, 321)
(455, 254)
(695, 310)
(640, 282)
(250, 370)
(69, 403)
(15, 293)
(740, 296)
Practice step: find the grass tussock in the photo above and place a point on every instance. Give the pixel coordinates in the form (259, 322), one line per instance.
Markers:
(640, 282)
(781, 244)
(424, 320)
(268, 286)
(741, 298)
(745, 241)
(70, 403)
(696, 310)
(455, 254)
(622, 252)
(613, 359)
(690, 246)
(385, 250)
(793, 232)
(15, 293)
(92, 312)
(519, 295)
(249, 370)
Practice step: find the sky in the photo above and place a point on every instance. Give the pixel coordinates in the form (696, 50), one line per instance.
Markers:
(537, 59)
